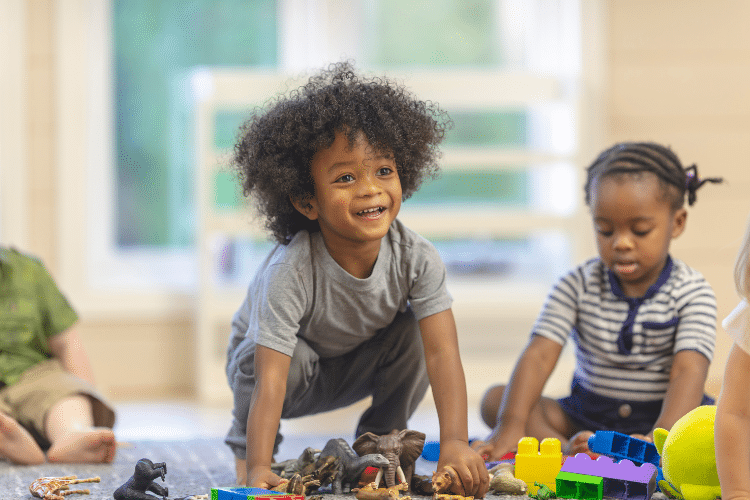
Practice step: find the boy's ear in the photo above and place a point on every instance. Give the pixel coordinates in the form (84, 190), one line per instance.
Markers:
(306, 207)
(680, 219)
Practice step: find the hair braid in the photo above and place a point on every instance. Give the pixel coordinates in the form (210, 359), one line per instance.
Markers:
(637, 157)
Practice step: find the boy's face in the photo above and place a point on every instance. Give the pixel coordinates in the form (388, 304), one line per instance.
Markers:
(357, 192)
(634, 226)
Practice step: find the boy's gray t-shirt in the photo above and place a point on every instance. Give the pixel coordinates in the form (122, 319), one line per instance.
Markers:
(300, 291)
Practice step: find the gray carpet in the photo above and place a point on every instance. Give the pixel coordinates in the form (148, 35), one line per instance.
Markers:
(193, 468)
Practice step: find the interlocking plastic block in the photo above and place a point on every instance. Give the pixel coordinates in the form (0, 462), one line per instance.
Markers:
(535, 463)
(431, 451)
(580, 486)
(622, 480)
(240, 493)
(622, 446)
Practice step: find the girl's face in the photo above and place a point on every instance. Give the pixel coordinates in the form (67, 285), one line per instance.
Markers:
(634, 225)
(357, 193)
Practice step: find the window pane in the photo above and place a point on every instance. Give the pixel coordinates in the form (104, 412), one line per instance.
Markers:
(485, 128)
(155, 44)
(433, 33)
(469, 186)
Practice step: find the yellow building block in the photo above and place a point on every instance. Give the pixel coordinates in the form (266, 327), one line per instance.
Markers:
(535, 463)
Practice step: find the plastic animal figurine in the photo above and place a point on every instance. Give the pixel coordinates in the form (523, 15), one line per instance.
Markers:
(297, 485)
(288, 468)
(55, 488)
(448, 496)
(350, 466)
(447, 481)
(142, 481)
(688, 456)
(372, 492)
(401, 448)
(543, 492)
(503, 482)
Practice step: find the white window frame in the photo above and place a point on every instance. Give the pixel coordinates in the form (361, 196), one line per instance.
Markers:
(105, 281)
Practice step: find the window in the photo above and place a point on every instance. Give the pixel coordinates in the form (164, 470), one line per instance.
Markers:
(140, 217)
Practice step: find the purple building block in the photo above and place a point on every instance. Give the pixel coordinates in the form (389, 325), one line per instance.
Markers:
(622, 480)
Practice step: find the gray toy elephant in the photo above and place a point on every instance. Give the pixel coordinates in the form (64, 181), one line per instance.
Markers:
(401, 448)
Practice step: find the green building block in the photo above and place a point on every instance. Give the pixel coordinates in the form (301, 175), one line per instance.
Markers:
(579, 486)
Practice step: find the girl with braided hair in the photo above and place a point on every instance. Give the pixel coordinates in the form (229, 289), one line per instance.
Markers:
(643, 323)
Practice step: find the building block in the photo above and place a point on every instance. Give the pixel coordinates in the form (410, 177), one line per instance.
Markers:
(579, 486)
(622, 446)
(240, 493)
(535, 463)
(622, 480)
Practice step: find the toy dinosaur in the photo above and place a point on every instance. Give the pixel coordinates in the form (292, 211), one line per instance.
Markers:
(688, 456)
(55, 488)
(350, 466)
(142, 481)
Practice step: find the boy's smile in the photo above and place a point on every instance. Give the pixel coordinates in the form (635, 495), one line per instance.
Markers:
(634, 226)
(357, 195)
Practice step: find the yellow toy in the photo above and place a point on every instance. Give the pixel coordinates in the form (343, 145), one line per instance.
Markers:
(535, 463)
(687, 456)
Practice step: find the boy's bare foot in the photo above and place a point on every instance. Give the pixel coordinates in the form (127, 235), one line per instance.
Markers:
(96, 445)
(16, 444)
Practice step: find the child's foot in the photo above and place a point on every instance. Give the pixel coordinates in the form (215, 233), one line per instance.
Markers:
(16, 444)
(96, 445)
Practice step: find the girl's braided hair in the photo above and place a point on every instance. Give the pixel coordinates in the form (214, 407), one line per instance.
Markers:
(276, 145)
(632, 158)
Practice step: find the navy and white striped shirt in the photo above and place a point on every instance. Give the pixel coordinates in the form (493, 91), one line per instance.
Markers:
(624, 347)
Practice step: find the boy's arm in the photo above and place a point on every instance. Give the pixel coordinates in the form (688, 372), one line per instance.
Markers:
(687, 380)
(449, 391)
(732, 429)
(67, 347)
(271, 370)
(521, 394)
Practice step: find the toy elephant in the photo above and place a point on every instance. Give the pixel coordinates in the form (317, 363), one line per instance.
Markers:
(401, 448)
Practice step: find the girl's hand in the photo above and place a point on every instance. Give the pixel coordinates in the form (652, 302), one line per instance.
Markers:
(260, 476)
(579, 443)
(469, 466)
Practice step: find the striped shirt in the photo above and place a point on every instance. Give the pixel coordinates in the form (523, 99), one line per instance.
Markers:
(624, 347)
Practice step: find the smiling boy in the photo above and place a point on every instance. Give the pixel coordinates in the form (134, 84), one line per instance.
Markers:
(350, 303)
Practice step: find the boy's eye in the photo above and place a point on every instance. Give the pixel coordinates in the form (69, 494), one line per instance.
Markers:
(345, 178)
(604, 232)
(641, 232)
(385, 170)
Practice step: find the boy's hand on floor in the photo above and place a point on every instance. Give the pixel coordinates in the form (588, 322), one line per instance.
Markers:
(469, 466)
(579, 443)
(261, 476)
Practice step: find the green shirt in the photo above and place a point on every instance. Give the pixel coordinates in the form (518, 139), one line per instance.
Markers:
(32, 310)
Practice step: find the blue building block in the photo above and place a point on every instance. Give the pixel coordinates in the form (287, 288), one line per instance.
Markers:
(622, 446)
(431, 451)
(241, 493)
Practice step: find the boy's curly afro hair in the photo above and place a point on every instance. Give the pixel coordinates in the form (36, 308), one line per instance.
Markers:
(276, 145)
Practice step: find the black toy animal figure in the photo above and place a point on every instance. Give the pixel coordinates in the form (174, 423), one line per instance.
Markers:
(350, 466)
(142, 481)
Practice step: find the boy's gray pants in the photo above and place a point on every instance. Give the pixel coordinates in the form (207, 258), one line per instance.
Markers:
(390, 367)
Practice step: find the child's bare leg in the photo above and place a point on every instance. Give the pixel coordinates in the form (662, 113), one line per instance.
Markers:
(16, 444)
(241, 467)
(547, 419)
(70, 429)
